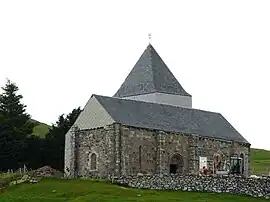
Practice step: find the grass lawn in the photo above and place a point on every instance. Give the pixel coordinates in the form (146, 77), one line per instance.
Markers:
(52, 190)
(260, 161)
(41, 129)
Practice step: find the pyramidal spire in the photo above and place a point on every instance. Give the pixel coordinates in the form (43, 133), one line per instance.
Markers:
(150, 75)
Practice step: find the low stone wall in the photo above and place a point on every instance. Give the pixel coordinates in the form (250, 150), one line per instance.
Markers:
(218, 184)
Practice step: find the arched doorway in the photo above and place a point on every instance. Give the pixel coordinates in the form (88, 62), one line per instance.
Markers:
(176, 164)
(242, 163)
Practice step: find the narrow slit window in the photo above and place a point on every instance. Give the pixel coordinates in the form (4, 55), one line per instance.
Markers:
(93, 161)
(140, 157)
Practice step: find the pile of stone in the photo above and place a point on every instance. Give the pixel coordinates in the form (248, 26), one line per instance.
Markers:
(46, 171)
(219, 184)
(29, 179)
(25, 179)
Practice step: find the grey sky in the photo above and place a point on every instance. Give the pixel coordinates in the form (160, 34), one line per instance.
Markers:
(61, 52)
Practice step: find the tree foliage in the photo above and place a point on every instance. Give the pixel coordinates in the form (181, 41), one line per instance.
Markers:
(15, 127)
(55, 139)
(18, 146)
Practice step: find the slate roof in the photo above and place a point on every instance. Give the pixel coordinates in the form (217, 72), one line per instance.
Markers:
(169, 118)
(149, 75)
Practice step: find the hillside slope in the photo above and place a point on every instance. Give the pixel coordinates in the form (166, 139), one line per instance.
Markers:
(260, 161)
(40, 129)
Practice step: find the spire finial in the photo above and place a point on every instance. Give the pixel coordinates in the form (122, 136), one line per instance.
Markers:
(149, 37)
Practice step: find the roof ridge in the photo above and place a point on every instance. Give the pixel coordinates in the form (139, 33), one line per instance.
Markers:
(151, 59)
(154, 76)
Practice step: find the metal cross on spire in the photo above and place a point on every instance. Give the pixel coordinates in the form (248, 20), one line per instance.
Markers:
(149, 37)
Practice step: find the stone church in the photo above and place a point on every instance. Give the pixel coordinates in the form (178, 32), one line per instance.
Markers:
(149, 126)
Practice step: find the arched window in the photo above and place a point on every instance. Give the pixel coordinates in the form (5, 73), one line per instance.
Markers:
(140, 157)
(93, 161)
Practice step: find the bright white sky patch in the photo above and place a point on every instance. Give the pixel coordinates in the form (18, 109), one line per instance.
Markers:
(61, 52)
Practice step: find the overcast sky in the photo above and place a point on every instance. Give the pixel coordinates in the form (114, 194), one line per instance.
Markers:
(61, 52)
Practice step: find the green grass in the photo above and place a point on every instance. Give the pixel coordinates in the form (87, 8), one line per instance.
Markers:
(40, 129)
(9, 177)
(52, 190)
(260, 161)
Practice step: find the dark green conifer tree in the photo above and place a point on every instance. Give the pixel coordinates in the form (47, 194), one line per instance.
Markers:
(55, 139)
(15, 128)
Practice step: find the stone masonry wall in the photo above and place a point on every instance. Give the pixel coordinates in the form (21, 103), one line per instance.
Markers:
(133, 160)
(177, 144)
(70, 159)
(69, 155)
(222, 184)
(208, 147)
(122, 150)
(101, 142)
(157, 148)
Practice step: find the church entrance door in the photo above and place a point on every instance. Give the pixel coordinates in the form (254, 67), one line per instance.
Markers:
(176, 164)
(173, 168)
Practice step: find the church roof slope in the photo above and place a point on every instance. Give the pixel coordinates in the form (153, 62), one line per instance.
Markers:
(169, 118)
(149, 75)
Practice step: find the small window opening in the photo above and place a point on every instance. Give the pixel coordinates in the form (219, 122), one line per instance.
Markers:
(93, 161)
(140, 157)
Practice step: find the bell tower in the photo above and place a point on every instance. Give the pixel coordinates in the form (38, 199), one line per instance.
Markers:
(151, 80)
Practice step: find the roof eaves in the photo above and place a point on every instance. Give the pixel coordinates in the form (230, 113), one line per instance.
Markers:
(155, 91)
